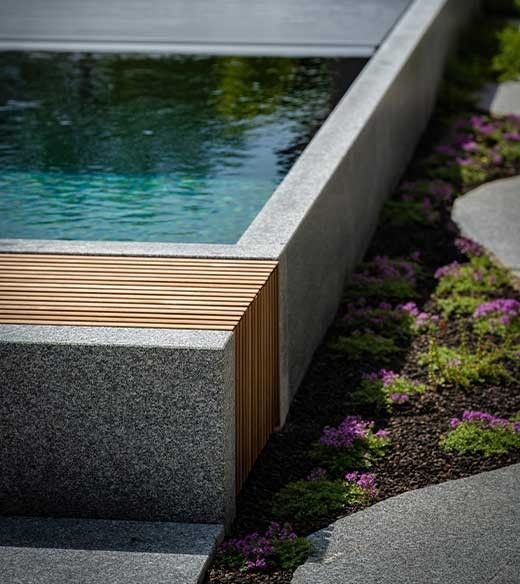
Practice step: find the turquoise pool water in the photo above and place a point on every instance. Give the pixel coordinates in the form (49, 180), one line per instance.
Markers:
(140, 148)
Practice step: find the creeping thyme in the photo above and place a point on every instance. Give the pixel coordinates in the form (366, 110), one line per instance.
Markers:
(421, 320)
(278, 548)
(482, 432)
(462, 367)
(385, 389)
(500, 317)
(385, 279)
(349, 446)
(462, 287)
(322, 498)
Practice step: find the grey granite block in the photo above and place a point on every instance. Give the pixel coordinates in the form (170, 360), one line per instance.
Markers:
(490, 215)
(115, 431)
(460, 532)
(68, 551)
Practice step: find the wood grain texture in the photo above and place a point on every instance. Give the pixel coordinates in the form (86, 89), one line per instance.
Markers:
(128, 291)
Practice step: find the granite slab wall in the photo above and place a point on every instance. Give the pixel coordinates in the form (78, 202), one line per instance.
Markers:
(320, 220)
(116, 431)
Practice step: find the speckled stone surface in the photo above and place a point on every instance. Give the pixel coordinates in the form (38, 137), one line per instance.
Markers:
(68, 551)
(122, 432)
(459, 532)
(490, 215)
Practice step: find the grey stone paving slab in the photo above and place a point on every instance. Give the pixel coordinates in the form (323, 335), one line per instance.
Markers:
(329, 27)
(501, 99)
(460, 532)
(68, 551)
(490, 215)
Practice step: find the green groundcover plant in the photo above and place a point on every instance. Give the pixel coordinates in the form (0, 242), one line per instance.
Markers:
(506, 63)
(278, 548)
(482, 433)
(462, 367)
(382, 319)
(479, 149)
(361, 346)
(385, 279)
(500, 317)
(462, 287)
(384, 389)
(319, 497)
(351, 445)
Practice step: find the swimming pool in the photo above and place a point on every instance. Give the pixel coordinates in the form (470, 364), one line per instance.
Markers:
(151, 148)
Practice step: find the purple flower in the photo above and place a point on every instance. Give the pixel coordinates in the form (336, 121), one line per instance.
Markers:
(468, 247)
(399, 398)
(485, 419)
(366, 481)
(352, 428)
(470, 146)
(257, 549)
(512, 136)
(382, 434)
(502, 306)
(464, 161)
(497, 159)
(422, 319)
(454, 422)
(449, 270)
(446, 150)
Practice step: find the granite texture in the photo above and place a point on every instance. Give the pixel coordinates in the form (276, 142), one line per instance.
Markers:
(269, 27)
(120, 432)
(196, 340)
(321, 218)
(501, 98)
(68, 551)
(490, 215)
(460, 532)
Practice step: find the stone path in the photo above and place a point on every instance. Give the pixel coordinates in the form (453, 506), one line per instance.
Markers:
(490, 215)
(70, 551)
(501, 99)
(459, 532)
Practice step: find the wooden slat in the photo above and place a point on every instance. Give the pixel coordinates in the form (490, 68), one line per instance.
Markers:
(256, 377)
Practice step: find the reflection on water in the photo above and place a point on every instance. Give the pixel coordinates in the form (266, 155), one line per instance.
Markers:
(140, 148)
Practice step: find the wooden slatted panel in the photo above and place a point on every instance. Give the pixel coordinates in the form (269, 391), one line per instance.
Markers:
(256, 377)
(188, 293)
(182, 293)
